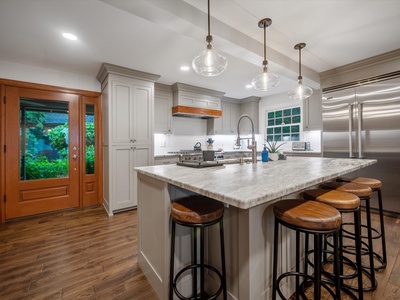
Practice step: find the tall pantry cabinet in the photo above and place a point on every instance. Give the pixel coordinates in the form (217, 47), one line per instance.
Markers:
(128, 118)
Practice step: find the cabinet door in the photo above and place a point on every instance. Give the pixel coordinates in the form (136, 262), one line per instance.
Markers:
(142, 114)
(250, 109)
(124, 180)
(122, 112)
(312, 112)
(162, 112)
(234, 117)
(122, 195)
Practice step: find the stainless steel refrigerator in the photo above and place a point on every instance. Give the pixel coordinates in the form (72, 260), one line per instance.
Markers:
(364, 122)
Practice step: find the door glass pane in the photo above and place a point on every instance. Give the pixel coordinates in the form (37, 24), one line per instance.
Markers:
(43, 139)
(90, 138)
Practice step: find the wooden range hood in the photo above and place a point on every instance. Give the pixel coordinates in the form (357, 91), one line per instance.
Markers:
(195, 102)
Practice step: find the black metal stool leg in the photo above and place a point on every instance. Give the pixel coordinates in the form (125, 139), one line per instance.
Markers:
(370, 246)
(275, 259)
(172, 260)
(382, 233)
(357, 235)
(317, 265)
(223, 266)
(297, 264)
(194, 261)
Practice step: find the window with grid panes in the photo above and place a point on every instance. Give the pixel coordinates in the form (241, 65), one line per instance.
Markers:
(283, 124)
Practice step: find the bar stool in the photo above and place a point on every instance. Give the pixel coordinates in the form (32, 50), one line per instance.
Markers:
(364, 193)
(344, 203)
(308, 217)
(197, 212)
(376, 186)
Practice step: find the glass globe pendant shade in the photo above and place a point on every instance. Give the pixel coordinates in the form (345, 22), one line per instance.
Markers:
(300, 92)
(209, 62)
(265, 81)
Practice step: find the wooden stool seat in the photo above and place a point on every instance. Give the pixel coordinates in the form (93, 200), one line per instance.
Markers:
(371, 182)
(197, 213)
(307, 214)
(306, 217)
(197, 210)
(359, 190)
(338, 199)
(376, 186)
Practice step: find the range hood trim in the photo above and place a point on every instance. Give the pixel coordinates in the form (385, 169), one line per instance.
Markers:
(196, 102)
(188, 111)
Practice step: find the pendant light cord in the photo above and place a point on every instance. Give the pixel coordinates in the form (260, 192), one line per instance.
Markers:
(265, 47)
(300, 77)
(209, 37)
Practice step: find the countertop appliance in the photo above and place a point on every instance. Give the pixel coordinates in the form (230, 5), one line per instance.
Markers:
(364, 122)
(301, 146)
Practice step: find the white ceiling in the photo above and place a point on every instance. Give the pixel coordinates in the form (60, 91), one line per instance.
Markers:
(158, 36)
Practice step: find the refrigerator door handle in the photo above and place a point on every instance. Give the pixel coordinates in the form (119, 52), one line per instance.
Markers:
(359, 129)
(351, 131)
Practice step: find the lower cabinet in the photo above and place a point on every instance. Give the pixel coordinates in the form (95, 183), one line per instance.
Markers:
(123, 177)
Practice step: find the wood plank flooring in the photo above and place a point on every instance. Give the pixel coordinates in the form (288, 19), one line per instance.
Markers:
(84, 254)
(75, 254)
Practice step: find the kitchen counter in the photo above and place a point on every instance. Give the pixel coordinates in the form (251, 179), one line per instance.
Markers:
(248, 185)
(248, 191)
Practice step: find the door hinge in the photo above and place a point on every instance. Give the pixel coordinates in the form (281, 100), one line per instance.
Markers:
(4, 99)
(5, 198)
(5, 148)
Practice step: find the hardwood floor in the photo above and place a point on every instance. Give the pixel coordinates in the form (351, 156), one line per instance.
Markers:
(84, 254)
(75, 254)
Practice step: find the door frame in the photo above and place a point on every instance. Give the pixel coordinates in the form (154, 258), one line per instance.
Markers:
(84, 96)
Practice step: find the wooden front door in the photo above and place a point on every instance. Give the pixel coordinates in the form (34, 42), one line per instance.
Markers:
(42, 151)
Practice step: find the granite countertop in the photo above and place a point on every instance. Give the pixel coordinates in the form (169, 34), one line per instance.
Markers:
(249, 185)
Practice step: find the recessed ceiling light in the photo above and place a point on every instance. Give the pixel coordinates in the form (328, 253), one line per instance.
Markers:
(185, 68)
(70, 36)
(248, 86)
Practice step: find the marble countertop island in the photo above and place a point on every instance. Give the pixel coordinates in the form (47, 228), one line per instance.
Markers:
(250, 191)
(248, 185)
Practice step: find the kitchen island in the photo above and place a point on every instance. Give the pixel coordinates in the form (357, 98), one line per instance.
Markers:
(248, 192)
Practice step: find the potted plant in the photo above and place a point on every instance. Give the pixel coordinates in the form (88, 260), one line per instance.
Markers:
(273, 148)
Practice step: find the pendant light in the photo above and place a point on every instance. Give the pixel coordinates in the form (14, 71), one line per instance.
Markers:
(209, 62)
(266, 80)
(301, 91)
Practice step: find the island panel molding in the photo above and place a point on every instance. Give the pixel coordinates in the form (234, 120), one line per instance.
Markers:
(248, 192)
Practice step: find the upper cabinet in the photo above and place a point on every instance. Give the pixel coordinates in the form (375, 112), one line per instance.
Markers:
(193, 101)
(312, 112)
(131, 111)
(232, 109)
(249, 106)
(162, 108)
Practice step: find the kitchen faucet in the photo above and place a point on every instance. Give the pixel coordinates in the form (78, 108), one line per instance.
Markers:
(253, 145)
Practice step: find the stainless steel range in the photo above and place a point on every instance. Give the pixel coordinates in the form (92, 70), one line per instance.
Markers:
(188, 155)
(194, 159)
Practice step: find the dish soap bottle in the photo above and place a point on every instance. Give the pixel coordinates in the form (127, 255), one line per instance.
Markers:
(264, 154)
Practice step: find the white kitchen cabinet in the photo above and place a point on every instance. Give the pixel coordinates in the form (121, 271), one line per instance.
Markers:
(249, 106)
(312, 112)
(232, 109)
(124, 159)
(162, 108)
(227, 124)
(132, 108)
(230, 116)
(128, 117)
